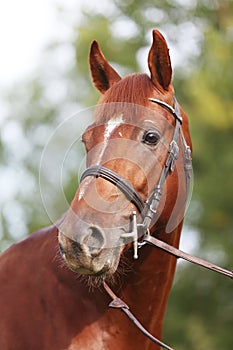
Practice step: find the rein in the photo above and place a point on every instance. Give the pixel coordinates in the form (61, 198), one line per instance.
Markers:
(149, 209)
(118, 303)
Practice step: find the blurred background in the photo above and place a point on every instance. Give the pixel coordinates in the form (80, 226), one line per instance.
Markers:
(44, 78)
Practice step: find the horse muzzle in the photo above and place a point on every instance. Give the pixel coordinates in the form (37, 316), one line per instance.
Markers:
(90, 253)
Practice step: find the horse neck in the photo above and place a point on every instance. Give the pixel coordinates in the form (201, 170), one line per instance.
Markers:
(148, 287)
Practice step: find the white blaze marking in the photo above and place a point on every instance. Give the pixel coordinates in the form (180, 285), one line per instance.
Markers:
(111, 125)
(83, 188)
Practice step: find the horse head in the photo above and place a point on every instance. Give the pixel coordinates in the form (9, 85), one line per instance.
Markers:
(127, 149)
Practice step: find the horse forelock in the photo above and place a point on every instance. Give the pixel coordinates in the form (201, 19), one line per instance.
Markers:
(134, 88)
(130, 92)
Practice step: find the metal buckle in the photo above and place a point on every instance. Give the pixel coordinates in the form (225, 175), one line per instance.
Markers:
(155, 199)
(188, 161)
(172, 156)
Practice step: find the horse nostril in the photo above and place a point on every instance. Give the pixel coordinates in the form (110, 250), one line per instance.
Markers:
(62, 250)
(94, 240)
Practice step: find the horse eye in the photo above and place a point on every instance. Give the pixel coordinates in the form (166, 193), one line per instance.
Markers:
(151, 138)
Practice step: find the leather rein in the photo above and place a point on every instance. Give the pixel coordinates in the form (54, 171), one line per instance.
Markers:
(149, 208)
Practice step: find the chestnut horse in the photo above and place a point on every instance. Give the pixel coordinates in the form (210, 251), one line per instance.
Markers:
(43, 304)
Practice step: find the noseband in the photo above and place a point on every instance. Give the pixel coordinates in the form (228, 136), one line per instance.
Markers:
(149, 208)
(118, 181)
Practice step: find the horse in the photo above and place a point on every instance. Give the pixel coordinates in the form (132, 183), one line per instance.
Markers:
(134, 183)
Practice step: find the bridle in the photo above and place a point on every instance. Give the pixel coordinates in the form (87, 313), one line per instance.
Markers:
(149, 208)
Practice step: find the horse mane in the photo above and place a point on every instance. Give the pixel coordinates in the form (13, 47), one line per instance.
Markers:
(130, 92)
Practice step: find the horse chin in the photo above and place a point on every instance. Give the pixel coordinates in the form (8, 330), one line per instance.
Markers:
(101, 267)
(82, 270)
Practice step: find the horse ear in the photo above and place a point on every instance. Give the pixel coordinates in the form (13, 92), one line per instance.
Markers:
(103, 75)
(159, 62)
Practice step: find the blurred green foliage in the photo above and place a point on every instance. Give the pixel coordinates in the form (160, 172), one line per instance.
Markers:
(200, 311)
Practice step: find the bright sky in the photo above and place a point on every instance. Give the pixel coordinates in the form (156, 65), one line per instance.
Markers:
(25, 28)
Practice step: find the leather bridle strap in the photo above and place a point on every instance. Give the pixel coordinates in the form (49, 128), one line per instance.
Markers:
(155, 242)
(119, 304)
(153, 201)
(118, 181)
